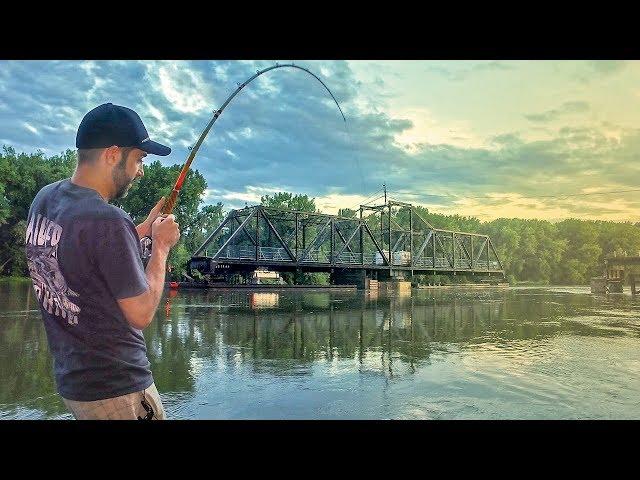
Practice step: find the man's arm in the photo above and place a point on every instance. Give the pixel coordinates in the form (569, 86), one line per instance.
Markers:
(139, 310)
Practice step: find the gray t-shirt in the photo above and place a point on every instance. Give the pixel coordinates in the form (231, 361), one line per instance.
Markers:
(84, 254)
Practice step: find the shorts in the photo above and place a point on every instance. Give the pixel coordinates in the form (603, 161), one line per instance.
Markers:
(142, 405)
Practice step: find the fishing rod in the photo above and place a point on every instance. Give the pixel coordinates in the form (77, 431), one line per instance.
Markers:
(169, 204)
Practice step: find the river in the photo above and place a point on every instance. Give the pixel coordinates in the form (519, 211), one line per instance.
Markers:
(517, 353)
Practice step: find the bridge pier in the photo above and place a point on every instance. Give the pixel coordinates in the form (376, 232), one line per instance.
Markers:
(394, 280)
(366, 279)
(394, 275)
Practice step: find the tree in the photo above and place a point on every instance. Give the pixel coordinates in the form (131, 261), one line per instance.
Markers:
(582, 257)
(158, 181)
(21, 177)
(5, 208)
(202, 224)
(289, 201)
(348, 213)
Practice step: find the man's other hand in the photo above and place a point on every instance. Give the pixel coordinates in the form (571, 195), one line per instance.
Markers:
(144, 229)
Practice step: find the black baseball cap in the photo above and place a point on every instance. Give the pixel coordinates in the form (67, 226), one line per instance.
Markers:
(110, 124)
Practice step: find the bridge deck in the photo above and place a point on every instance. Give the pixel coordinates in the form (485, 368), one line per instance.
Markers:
(426, 265)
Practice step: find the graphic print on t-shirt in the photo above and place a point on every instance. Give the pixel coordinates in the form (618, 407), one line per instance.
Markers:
(42, 238)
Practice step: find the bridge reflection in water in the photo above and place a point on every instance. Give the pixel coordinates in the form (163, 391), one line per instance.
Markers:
(372, 329)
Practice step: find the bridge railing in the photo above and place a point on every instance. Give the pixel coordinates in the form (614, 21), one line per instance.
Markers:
(316, 256)
(273, 254)
(350, 258)
(249, 253)
(238, 253)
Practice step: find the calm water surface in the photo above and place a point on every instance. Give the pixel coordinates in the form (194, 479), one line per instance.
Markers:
(521, 353)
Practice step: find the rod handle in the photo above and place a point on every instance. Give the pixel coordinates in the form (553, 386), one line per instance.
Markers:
(167, 208)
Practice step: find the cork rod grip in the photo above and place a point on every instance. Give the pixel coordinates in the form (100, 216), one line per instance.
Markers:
(167, 208)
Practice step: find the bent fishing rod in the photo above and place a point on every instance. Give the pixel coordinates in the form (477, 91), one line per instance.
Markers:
(169, 204)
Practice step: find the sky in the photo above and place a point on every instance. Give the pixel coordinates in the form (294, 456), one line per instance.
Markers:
(488, 139)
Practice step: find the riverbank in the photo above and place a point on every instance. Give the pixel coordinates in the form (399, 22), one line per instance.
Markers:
(263, 287)
(530, 283)
(465, 285)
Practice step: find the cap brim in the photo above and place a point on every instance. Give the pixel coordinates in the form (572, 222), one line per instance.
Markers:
(155, 148)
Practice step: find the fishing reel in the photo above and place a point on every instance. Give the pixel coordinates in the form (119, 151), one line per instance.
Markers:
(146, 244)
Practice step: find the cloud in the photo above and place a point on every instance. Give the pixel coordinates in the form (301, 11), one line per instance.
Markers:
(284, 133)
(598, 69)
(456, 73)
(566, 108)
(606, 67)
(507, 139)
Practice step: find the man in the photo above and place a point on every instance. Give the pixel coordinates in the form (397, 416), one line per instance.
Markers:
(84, 257)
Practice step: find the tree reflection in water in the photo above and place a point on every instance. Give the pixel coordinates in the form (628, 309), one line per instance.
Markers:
(285, 333)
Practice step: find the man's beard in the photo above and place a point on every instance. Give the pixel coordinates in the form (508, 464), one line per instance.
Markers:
(121, 180)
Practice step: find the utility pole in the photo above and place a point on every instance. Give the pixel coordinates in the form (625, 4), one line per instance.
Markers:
(385, 192)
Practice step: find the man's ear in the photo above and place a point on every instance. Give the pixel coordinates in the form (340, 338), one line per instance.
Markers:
(111, 155)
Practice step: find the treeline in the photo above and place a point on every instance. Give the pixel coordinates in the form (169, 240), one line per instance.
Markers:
(23, 175)
(566, 252)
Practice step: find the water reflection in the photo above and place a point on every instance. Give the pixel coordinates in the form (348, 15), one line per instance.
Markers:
(245, 338)
(326, 326)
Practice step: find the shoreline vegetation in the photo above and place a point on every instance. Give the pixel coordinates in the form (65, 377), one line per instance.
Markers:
(22, 279)
(532, 252)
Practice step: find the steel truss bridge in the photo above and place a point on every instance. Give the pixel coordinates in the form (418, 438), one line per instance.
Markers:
(389, 238)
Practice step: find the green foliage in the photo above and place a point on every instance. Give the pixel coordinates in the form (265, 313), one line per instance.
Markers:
(348, 213)
(21, 177)
(157, 182)
(528, 249)
(289, 201)
(538, 251)
(5, 208)
(306, 278)
(583, 253)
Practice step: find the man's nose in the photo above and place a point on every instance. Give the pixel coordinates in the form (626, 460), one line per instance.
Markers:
(140, 172)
